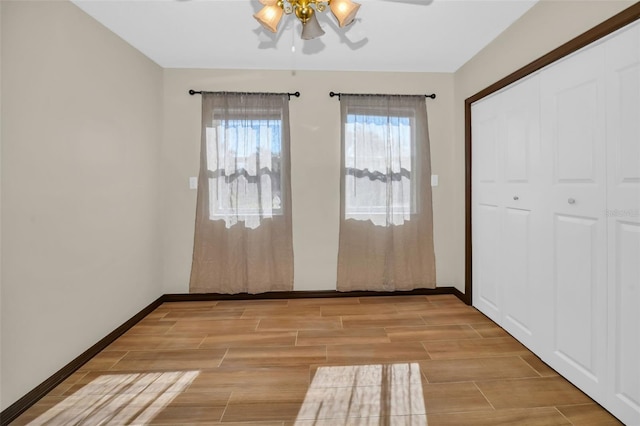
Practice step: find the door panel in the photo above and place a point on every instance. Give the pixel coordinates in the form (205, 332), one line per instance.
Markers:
(577, 340)
(486, 180)
(573, 138)
(517, 273)
(486, 271)
(576, 133)
(486, 163)
(623, 217)
(626, 379)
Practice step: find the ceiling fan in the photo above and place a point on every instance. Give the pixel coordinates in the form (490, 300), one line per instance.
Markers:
(344, 11)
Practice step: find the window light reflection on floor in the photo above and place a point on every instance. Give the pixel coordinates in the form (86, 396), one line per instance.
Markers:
(119, 399)
(365, 395)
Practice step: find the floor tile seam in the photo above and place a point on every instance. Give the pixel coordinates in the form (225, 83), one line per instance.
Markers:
(562, 414)
(277, 317)
(387, 361)
(457, 382)
(488, 340)
(516, 379)
(424, 376)
(115, 363)
(396, 340)
(475, 331)
(223, 357)
(226, 407)
(475, 356)
(492, 411)
(276, 347)
(531, 366)
(483, 395)
(168, 349)
(359, 418)
(379, 342)
(426, 350)
(449, 323)
(201, 343)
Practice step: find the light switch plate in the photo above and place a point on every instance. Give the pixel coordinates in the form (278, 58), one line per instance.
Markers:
(193, 183)
(434, 180)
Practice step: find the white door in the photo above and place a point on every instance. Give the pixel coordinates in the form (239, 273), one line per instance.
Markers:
(521, 196)
(486, 206)
(506, 179)
(623, 217)
(573, 135)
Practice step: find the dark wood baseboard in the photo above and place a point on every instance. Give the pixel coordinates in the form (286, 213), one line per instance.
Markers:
(193, 297)
(20, 406)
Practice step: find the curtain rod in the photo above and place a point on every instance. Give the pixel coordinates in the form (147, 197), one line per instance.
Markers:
(200, 92)
(332, 94)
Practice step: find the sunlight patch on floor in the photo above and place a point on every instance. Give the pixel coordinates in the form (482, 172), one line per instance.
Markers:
(119, 399)
(365, 395)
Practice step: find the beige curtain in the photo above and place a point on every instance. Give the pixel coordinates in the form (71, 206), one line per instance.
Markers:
(386, 227)
(243, 239)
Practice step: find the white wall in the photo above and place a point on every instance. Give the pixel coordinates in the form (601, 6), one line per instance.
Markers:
(315, 163)
(81, 131)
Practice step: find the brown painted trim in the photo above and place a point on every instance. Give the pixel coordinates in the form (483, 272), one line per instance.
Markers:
(20, 406)
(193, 297)
(622, 19)
(468, 287)
(10, 413)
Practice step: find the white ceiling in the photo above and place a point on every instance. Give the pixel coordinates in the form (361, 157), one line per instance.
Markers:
(388, 35)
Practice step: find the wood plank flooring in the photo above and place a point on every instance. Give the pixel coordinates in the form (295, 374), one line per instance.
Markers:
(398, 360)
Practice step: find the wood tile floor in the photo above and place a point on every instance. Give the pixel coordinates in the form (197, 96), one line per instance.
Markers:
(397, 360)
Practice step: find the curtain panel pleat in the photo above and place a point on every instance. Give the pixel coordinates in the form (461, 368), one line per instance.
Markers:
(243, 237)
(386, 223)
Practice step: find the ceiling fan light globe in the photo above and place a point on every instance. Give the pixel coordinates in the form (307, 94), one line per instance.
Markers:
(270, 16)
(311, 29)
(345, 11)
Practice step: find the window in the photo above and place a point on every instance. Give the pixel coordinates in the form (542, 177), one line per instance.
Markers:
(244, 166)
(379, 156)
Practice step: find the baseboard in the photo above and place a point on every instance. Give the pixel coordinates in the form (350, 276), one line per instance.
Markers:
(20, 406)
(194, 297)
(12, 412)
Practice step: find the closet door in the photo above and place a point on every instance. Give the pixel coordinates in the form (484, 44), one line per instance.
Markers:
(623, 217)
(573, 135)
(486, 206)
(507, 190)
(521, 244)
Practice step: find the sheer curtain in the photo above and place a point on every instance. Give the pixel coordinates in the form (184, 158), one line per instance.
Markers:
(243, 240)
(386, 225)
